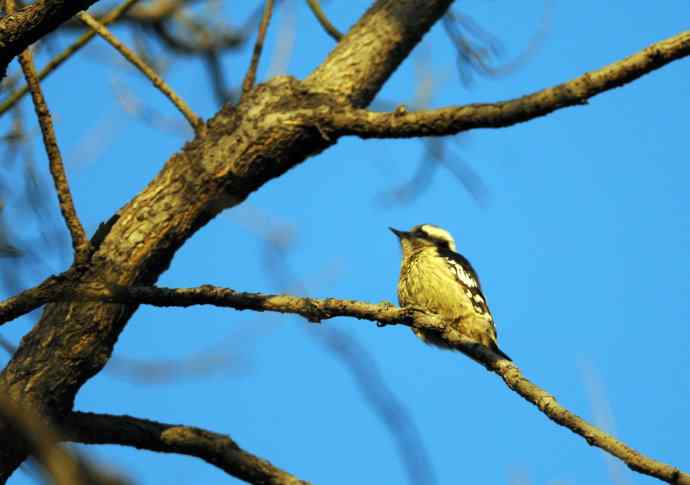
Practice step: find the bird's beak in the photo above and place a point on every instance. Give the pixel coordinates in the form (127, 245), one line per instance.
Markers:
(400, 234)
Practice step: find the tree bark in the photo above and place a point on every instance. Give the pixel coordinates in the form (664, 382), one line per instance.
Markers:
(241, 149)
(21, 29)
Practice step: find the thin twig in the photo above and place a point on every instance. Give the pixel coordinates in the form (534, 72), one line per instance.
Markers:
(80, 243)
(56, 61)
(250, 77)
(217, 449)
(196, 122)
(28, 300)
(315, 7)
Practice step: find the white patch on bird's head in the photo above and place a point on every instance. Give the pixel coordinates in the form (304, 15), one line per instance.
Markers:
(435, 234)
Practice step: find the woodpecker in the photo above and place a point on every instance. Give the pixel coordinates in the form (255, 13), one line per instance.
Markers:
(435, 278)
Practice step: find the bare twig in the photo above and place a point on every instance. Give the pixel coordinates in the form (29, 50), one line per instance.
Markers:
(250, 77)
(216, 449)
(316, 310)
(33, 298)
(56, 61)
(193, 119)
(315, 7)
(80, 242)
(453, 120)
(20, 29)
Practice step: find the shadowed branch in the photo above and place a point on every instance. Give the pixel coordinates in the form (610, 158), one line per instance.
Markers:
(217, 449)
(60, 464)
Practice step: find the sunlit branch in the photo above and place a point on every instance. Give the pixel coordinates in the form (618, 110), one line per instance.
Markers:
(453, 120)
(317, 310)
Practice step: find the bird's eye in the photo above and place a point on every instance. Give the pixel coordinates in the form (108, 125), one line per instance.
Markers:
(443, 244)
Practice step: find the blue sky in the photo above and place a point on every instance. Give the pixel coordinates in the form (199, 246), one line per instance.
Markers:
(582, 247)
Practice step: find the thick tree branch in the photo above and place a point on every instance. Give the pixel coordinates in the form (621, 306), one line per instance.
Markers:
(21, 29)
(316, 310)
(243, 148)
(374, 48)
(216, 449)
(450, 121)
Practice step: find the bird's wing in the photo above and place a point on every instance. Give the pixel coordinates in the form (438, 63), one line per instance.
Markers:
(468, 279)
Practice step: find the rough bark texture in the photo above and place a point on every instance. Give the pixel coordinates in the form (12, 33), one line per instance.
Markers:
(21, 29)
(241, 150)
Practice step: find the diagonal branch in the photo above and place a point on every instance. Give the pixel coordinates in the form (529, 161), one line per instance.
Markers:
(316, 310)
(80, 243)
(56, 61)
(453, 120)
(193, 119)
(216, 449)
(21, 29)
(250, 77)
(33, 298)
(315, 7)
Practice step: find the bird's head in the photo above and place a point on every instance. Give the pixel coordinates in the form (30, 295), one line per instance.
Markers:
(424, 236)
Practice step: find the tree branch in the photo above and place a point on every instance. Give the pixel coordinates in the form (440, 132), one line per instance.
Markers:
(216, 449)
(374, 47)
(250, 77)
(316, 310)
(196, 122)
(57, 61)
(450, 121)
(21, 29)
(80, 243)
(28, 300)
(315, 7)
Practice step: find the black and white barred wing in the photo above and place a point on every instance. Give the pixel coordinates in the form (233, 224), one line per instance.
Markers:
(467, 277)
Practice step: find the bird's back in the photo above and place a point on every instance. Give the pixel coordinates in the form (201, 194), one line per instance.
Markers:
(445, 284)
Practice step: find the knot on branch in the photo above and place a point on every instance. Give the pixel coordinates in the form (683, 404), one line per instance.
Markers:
(546, 401)
(313, 312)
